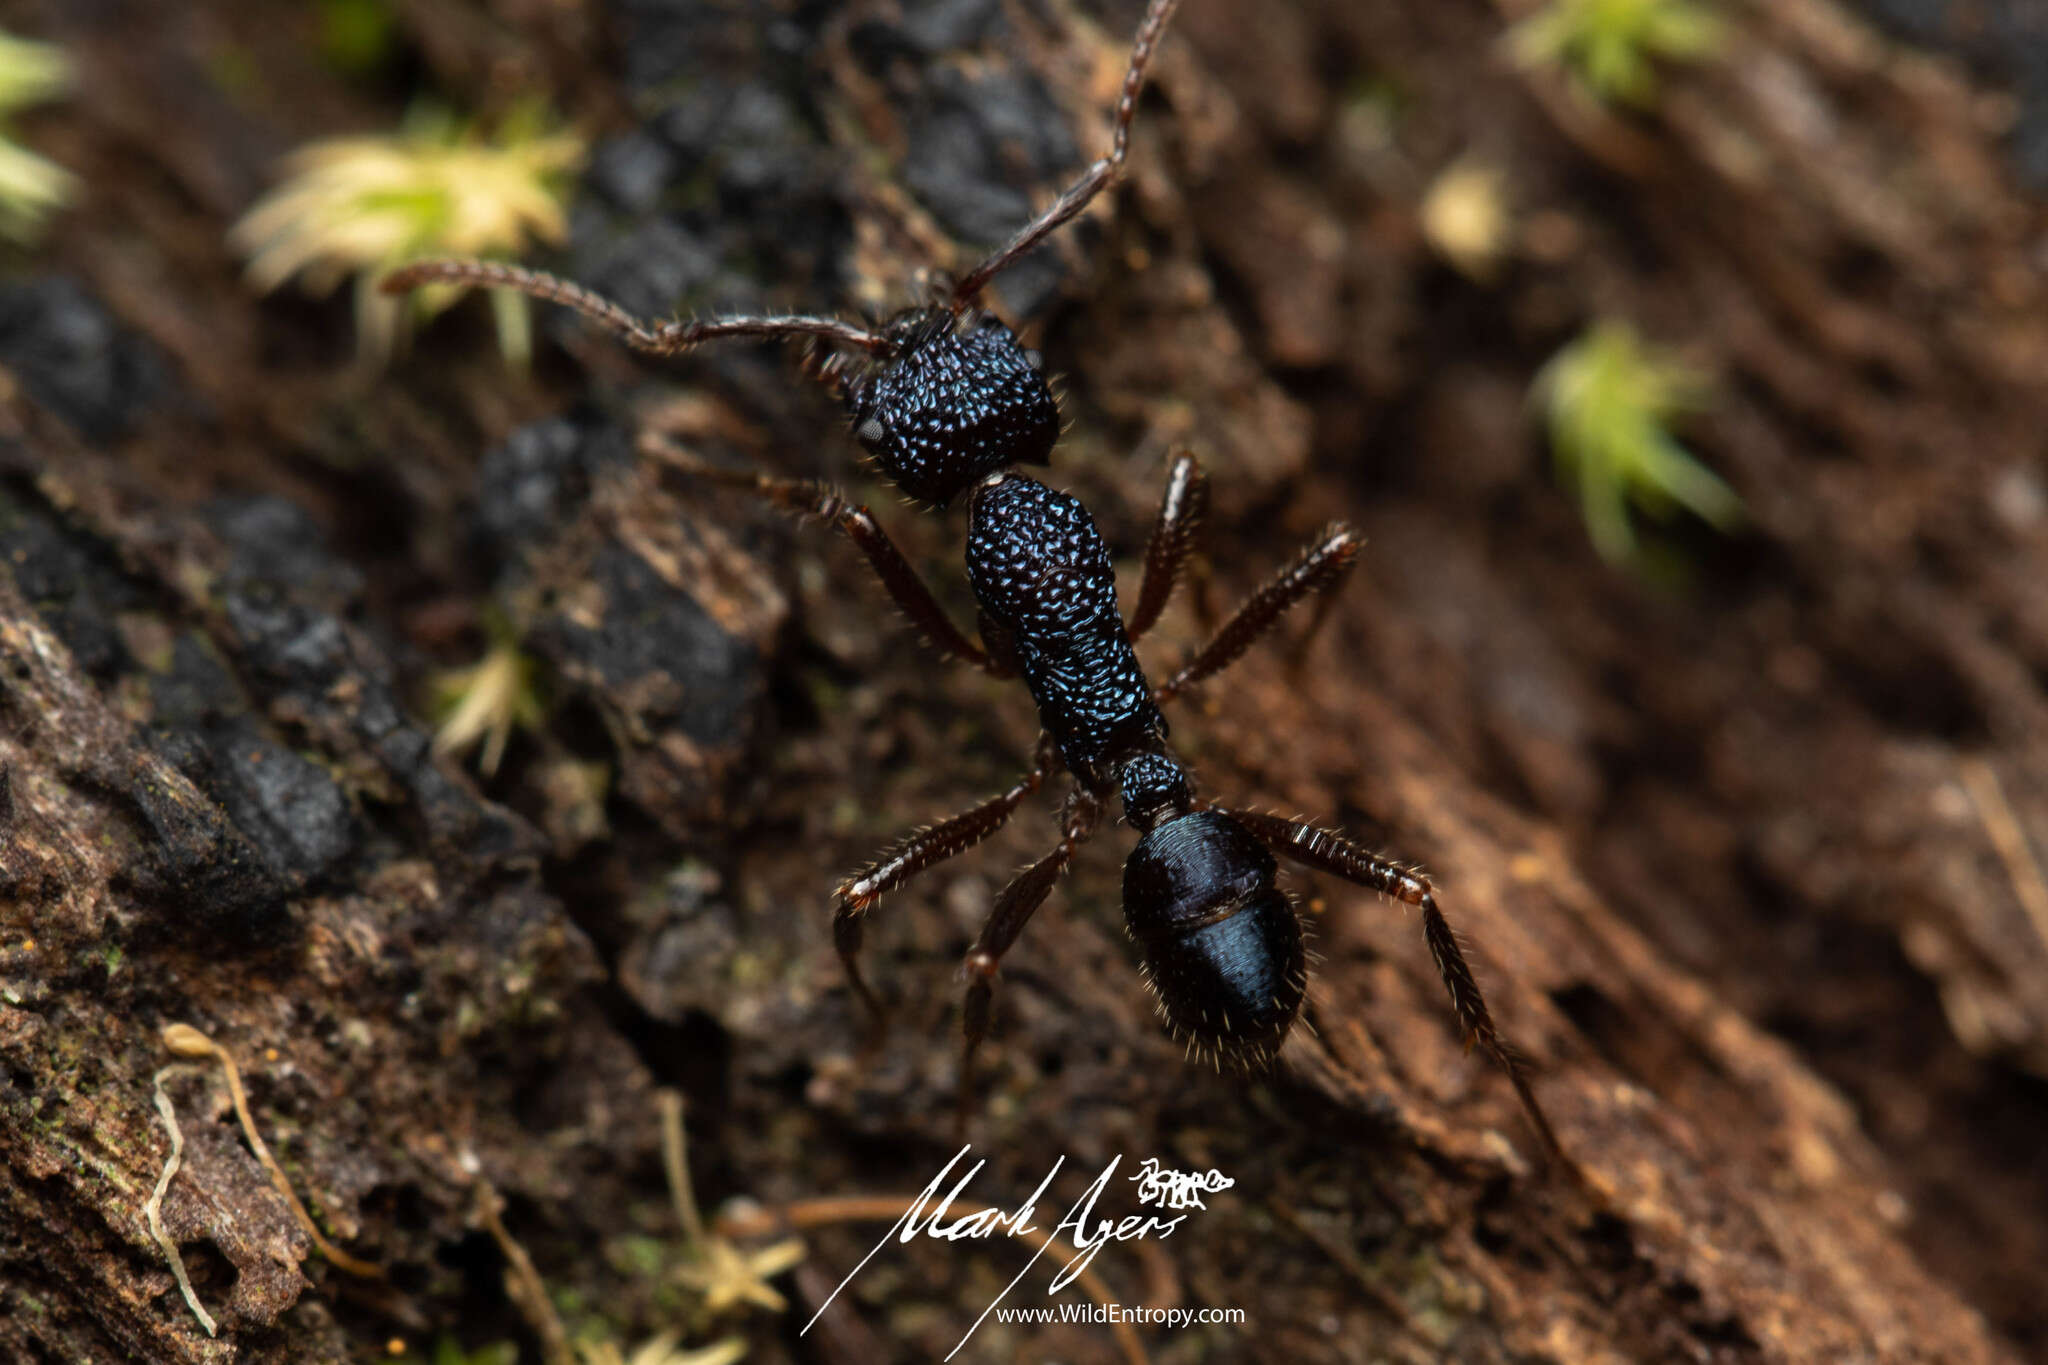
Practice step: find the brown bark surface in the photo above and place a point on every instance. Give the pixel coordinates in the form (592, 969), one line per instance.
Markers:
(1745, 861)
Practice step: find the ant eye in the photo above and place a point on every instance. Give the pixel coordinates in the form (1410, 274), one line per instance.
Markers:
(869, 432)
(1035, 359)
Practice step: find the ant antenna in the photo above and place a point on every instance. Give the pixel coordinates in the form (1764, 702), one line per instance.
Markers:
(663, 339)
(1094, 180)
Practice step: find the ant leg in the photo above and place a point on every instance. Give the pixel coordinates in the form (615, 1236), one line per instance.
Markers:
(1332, 852)
(1319, 567)
(1006, 920)
(654, 338)
(804, 498)
(916, 851)
(1093, 180)
(1180, 514)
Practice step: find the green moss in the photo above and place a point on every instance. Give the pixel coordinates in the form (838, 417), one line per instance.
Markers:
(1609, 401)
(31, 187)
(448, 1351)
(354, 208)
(357, 37)
(1610, 48)
(234, 71)
(645, 1257)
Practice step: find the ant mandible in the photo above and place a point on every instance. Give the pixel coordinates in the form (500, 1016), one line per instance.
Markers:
(945, 401)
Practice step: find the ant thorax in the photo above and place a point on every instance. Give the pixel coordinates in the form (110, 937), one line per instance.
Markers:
(957, 400)
(1042, 574)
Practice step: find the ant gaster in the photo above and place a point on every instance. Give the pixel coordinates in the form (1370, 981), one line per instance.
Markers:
(946, 402)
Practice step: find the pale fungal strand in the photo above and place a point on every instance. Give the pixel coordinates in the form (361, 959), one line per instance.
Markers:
(186, 1041)
(152, 1211)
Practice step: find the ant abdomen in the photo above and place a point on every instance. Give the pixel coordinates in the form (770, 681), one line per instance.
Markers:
(1222, 945)
(959, 400)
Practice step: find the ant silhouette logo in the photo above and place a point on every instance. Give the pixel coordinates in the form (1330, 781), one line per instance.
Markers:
(1177, 1189)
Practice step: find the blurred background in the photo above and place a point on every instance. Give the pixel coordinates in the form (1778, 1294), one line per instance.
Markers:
(373, 707)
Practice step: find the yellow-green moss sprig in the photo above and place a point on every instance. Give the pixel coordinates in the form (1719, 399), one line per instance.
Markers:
(484, 703)
(1610, 48)
(358, 207)
(448, 1351)
(32, 187)
(1608, 401)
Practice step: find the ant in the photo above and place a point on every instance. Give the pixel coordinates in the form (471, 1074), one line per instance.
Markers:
(946, 402)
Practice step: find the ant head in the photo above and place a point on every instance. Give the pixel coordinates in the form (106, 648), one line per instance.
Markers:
(957, 401)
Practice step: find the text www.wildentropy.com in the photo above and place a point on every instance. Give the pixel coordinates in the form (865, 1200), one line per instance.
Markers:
(1110, 1314)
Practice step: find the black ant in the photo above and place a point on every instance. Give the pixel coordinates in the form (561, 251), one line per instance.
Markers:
(945, 402)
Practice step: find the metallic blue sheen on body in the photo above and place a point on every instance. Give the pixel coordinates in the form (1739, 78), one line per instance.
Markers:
(1040, 570)
(1217, 934)
(1239, 969)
